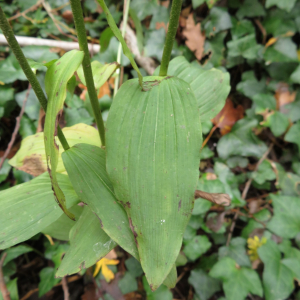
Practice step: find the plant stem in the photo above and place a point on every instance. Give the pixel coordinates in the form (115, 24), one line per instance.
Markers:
(172, 29)
(86, 65)
(12, 42)
(112, 24)
(119, 57)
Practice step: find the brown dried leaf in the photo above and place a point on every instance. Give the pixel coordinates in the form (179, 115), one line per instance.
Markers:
(195, 38)
(283, 95)
(228, 116)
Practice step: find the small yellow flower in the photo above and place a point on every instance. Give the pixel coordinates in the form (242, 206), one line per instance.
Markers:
(106, 272)
(253, 245)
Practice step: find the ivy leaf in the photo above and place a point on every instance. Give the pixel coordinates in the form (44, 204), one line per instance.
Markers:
(237, 281)
(204, 285)
(283, 4)
(237, 251)
(47, 280)
(286, 221)
(218, 20)
(162, 293)
(295, 76)
(241, 141)
(155, 49)
(241, 28)
(196, 247)
(264, 173)
(293, 134)
(215, 48)
(278, 278)
(250, 86)
(250, 8)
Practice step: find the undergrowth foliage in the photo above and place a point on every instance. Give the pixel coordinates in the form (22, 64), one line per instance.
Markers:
(234, 77)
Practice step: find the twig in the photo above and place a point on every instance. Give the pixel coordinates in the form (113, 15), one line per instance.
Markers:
(209, 136)
(65, 288)
(14, 135)
(262, 29)
(3, 288)
(216, 198)
(23, 13)
(26, 41)
(245, 192)
(69, 279)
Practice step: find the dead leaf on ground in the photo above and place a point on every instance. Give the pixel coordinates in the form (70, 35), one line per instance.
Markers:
(215, 221)
(195, 38)
(89, 292)
(283, 96)
(228, 116)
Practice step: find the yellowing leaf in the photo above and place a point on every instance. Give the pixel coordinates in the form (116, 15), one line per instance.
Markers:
(106, 272)
(253, 245)
(31, 157)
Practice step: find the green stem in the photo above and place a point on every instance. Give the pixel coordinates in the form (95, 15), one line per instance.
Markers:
(86, 66)
(112, 24)
(172, 29)
(119, 57)
(12, 42)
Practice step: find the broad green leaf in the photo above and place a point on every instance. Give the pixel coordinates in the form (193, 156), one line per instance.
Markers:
(293, 134)
(283, 4)
(56, 81)
(86, 168)
(202, 83)
(171, 279)
(286, 221)
(28, 208)
(204, 285)
(101, 73)
(85, 165)
(278, 279)
(61, 227)
(237, 251)
(31, 157)
(241, 141)
(194, 248)
(47, 280)
(237, 281)
(145, 165)
(15, 252)
(89, 243)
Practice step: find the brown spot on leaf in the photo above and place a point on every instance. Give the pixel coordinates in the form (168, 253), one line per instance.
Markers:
(179, 205)
(33, 165)
(133, 231)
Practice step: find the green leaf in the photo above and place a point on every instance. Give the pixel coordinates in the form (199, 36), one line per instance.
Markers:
(134, 267)
(101, 73)
(284, 50)
(237, 251)
(47, 280)
(241, 141)
(32, 108)
(202, 83)
(10, 70)
(263, 102)
(31, 157)
(165, 143)
(204, 285)
(241, 28)
(89, 243)
(215, 48)
(201, 206)
(218, 20)
(127, 284)
(293, 134)
(250, 8)
(143, 8)
(245, 47)
(285, 222)
(155, 49)
(23, 212)
(4, 171)
(194, 248)
(283, 4)
(197, 3)
(237, 281)
(278, 279)
(56, 81)
(250, 86)
(61, 227)
(162, 293)
(138, 28)
(265, 172)
(295, 76)
(105, 38)
(12, 287)
(15, 252)
(160, 15)
(85, 165)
